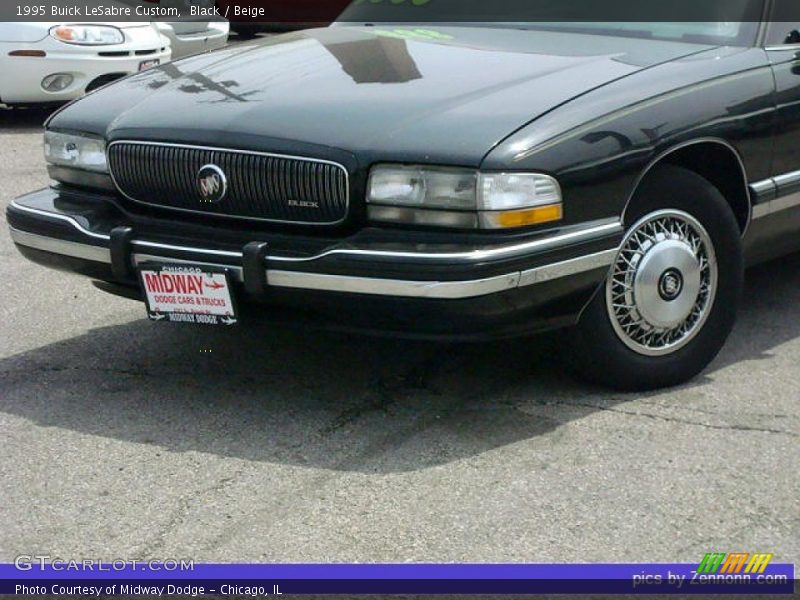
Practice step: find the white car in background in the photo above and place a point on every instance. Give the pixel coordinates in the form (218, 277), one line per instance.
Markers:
(56, 62)
(192, 34)
(193, 37)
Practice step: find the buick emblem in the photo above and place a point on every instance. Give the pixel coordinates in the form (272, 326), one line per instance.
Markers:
(671, 285)
(212, 184)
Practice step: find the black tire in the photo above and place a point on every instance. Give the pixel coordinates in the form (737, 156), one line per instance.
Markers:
(246, 31)
(597, 351)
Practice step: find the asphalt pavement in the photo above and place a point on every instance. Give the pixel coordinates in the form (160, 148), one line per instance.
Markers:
(122, 438)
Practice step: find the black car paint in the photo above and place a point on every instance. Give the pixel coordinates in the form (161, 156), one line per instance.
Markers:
(353, 92)
(592, 110)
(595, 112)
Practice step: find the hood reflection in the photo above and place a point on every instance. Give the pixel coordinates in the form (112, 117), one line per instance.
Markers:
(379, 59)
(196, 83)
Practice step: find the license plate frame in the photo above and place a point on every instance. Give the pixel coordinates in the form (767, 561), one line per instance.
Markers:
(192, 294)
(149, 64)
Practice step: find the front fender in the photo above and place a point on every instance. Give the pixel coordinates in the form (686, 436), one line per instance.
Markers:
(600, 144)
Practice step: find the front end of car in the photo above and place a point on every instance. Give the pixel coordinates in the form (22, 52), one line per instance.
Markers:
(408, 249)
(73, 59)
(463, 182)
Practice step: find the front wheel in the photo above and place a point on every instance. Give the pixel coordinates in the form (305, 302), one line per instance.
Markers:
(671, 296)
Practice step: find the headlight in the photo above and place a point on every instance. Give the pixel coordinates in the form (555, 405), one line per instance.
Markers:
(77, 151)
(462, 198)
(423, 187)
(88, 35)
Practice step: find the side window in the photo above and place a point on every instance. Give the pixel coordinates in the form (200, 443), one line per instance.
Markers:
(783, 29)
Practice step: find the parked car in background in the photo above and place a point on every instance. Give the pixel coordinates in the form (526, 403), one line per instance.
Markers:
(56, 62)
(193, 37)
(194, 33)
(279, 15)
(464, 182)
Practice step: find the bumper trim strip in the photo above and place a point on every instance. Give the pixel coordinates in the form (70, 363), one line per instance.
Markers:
(63, 247)
(446, 290)
(574, 266)
(346, 283)
(66, 218)
(597, 231)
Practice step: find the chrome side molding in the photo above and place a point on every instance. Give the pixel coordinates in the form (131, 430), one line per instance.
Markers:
(771, 188)
(775, 206)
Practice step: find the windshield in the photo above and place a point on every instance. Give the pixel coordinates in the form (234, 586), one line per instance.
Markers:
(723, 22)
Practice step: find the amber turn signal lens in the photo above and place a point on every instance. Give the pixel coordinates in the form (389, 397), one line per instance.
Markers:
(522, 218)
(66, 34)
(30, 53)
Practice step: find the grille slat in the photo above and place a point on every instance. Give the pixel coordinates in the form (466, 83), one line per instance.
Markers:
(261, 186)
(258, 183)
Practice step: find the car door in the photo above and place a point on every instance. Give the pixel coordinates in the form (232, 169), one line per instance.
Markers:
(783, 47)
(782, 42)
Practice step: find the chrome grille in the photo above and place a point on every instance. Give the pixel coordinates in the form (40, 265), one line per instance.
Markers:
(261, 186)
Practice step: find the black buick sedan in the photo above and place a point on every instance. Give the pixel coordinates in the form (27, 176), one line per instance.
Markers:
(473, 180)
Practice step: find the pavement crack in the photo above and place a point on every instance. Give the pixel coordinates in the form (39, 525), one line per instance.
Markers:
(711, 412)
(181, 511)
(134, 372)
(728, 427)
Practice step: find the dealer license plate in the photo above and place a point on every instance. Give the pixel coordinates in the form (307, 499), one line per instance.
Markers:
(146, 64)
(188, 294)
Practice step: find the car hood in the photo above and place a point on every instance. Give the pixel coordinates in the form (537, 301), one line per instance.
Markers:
(445, 94)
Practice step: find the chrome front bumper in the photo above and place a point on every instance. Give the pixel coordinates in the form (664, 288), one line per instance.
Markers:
(280, 271)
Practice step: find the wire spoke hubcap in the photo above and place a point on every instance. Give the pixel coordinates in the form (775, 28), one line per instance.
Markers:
(663, 283)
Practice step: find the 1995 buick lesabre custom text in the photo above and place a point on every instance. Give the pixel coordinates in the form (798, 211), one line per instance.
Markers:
(460, 181)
